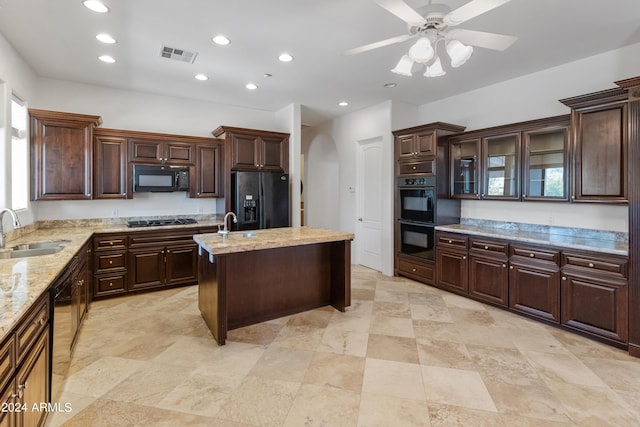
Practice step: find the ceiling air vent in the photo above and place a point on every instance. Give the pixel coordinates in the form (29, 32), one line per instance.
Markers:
(176, 54)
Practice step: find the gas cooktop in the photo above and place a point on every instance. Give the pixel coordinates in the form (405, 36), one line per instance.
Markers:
(161, 222)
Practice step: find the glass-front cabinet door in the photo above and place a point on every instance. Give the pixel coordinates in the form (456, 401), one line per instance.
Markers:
(501, 170)
(465, 166)
(545, 166)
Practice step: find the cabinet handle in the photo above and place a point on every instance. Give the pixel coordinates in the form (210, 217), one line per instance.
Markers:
(511, 267)
(504, 265)
(532, 255)
(564, 278)
(110, 284)
(414, 168)
(40, 322)
(450, 241)
(111, 243)
(464, 257)
(414, 270)
(486, 247)
(110, 262)
(591, 265)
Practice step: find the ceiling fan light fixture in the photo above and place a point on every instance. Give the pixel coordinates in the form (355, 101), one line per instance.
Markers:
(404, 66)
(458, 52)
(421, 51)
(435, 69)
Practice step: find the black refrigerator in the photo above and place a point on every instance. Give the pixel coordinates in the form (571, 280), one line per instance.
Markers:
(260, 200)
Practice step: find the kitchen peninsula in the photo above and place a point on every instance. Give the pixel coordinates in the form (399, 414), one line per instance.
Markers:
(252, 277)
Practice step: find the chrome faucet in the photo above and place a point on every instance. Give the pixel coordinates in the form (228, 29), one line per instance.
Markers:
(16, 224)
(225, 232)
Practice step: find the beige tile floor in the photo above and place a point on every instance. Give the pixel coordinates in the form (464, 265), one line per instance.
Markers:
(404, 354)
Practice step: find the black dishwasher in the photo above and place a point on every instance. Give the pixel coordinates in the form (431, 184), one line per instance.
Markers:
(61, 331)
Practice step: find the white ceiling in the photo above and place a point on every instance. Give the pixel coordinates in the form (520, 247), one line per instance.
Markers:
(57, 39)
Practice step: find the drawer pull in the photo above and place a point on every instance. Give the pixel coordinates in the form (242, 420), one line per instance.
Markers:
(504, 265)
(511, 267)
(111, 243)
(564, 278)
(450, 241)
(464, 257)
(110, 261)
(414, 168)
(532, 255)
(40, 322)
(414, 270)
(110, 284)
(486, 247)
(591, 265)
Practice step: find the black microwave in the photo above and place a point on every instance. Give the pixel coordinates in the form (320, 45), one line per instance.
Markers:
(160, 178)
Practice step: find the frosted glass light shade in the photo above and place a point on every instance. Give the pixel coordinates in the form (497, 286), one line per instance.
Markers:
(435, 69)
(404, 66)
(421, 51)
(458, 52)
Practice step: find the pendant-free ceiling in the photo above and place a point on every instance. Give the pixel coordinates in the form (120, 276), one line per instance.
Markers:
(435, 28)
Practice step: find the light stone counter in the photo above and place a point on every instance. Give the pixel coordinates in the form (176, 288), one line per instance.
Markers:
(562, 237)
(268, 239)
(24, 280)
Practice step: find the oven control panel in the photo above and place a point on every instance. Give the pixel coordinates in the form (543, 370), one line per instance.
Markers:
(417, 181)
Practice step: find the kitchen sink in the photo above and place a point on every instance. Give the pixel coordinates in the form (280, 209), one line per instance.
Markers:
(27, 250)
(39, 245)
(249, 234)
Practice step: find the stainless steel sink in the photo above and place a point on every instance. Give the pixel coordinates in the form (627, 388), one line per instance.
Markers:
(26, 250)
(40, 245)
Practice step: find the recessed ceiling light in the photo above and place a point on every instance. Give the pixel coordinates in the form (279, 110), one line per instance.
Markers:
(201, 77)
(267, 75)
(285, 57)
(105, 38)
(96, 6)
(251, 86)
(221, 40)
(106, 58)
(390, 84)
(343, 103)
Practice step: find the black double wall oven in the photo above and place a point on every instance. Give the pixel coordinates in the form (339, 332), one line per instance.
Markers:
(417, 197)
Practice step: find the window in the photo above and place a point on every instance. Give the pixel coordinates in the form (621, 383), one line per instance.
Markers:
(19, 155)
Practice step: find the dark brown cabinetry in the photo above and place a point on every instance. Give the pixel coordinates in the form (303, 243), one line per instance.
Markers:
(153, 151)
(162, 259)
(595, 296)
(452, 263)
(109, 166)
(80, 290)
(254, 150)
(534, 281)
(110, 264)
(61, 155)
(208, 172)
(600, 146)
(488, 272)
(25, 368)
(494, 163)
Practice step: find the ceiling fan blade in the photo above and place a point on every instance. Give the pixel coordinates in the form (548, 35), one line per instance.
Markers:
(471, 10)
(376, 45)
(481, 39)
(402, 11)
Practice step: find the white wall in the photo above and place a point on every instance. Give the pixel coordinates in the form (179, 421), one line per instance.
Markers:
(531, 97)
(335, 204)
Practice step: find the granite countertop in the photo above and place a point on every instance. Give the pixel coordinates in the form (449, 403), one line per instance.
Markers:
(268, 239)
(24, 280)
(562, 237)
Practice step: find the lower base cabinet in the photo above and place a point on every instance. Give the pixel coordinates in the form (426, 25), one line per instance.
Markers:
(422, 271)
(25, 368)
(586, 292)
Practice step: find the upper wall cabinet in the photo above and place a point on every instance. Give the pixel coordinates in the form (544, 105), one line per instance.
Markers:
(417, 147)
(162, 152)
(109, 165)
(255, 150)
(208, 171)
(521, 161)
(600, 143)
(61, 155)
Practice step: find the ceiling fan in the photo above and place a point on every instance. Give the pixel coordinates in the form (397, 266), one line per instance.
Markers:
(435, 26)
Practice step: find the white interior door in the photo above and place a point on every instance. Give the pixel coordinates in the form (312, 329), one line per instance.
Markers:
(369, 203)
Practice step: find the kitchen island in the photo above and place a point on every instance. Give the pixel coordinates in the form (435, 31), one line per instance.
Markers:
(251, 277)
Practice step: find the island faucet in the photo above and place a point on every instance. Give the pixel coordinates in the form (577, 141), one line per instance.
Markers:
(225, 232)
(16, 224)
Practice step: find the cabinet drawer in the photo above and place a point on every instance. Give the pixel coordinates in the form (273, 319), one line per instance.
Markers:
(110, 261)
(7, 359)
(615, 266)
(424, 166)
(110, 284)
(451, 240)
(30, 327)
(104, 243)
(489, 246)
(419, 271)
(535, 253)
(161, 239)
